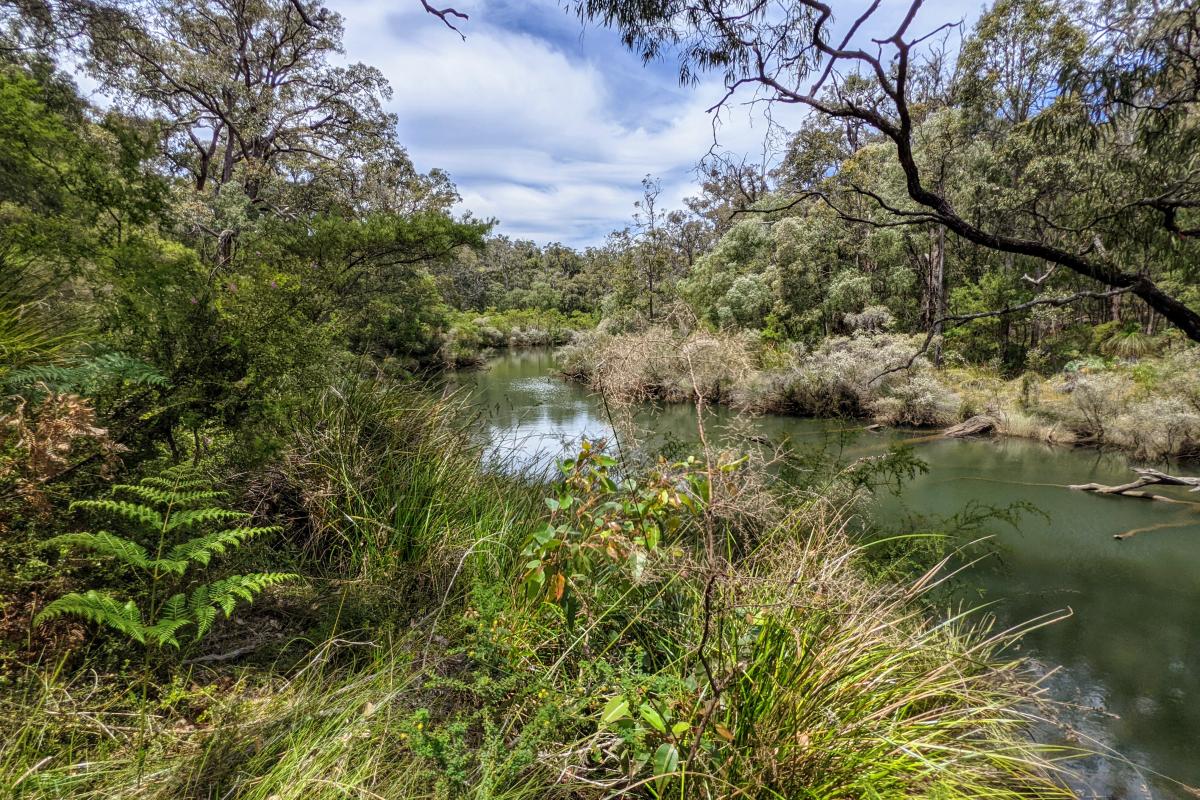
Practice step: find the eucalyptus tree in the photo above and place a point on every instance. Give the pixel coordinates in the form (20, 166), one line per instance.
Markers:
(246, 87)
(1114, 134)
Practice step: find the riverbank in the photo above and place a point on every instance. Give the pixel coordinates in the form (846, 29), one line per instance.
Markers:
(472, 336)
(457, 632)
(1149, 408)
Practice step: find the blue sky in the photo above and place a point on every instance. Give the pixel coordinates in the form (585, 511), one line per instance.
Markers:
(546, 125)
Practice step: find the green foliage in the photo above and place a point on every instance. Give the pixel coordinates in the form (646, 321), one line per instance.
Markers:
(169, 599)
(88, 375)
(604, 531)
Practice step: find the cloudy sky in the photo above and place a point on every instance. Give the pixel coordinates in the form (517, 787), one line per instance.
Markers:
(545, 125)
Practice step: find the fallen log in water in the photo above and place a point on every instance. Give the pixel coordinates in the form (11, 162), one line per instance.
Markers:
(1146, 477)
(978, 425)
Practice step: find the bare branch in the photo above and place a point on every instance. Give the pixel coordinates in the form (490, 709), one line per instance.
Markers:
(443, 13)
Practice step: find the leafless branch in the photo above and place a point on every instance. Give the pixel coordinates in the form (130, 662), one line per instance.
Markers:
(444, 13)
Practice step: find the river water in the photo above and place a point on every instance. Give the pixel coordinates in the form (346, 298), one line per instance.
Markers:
(1130, 650)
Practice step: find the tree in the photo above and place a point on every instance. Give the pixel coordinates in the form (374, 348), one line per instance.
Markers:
(1114, 122)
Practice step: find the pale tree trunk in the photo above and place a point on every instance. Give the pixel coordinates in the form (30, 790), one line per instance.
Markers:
(937, 286)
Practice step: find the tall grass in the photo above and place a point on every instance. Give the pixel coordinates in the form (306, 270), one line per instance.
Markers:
(779, 671)
(386, 479)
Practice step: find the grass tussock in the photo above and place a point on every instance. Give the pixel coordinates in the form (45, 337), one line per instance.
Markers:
(671, 634)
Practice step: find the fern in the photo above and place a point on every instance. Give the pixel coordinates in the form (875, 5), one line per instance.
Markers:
(173, 617)
(100, 608)
(87, 374)
(167, 497)
(203, 548)
(225, 593)
(201, 609)
(178, 485)
(140, 515)
(107, 544)
(200, 516)
(171, 502)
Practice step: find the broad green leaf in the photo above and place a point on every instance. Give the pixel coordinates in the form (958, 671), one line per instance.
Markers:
(615, 710)
(652, 717)
(666, 760)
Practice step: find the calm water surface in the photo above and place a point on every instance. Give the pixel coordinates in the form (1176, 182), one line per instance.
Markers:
(1129, 652)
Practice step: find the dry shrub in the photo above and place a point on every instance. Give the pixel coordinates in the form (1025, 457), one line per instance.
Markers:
(1097, 401)
(1157, 428)
(849, 376)
(657, 364)
(1027, 426)
(45, 438)
(919, 400)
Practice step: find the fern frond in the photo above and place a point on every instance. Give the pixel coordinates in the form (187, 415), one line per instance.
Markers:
(100, 608)
(134, 512)
(168, 497)
(226, 592)
(202, 610)
(203, 548)
(107, 544)
(88, 374)
(181, 484)
(199, 516)
(172, 617)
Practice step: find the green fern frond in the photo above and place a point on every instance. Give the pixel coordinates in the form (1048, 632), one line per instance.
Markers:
(199, 516)
(88, 374)
(202, 610)
(107, 544)
(100, 608)
(203, 548)
(133, 512)
(225, 593)
(173, 490)
(172, 617)
(176, 484)
(168, 497)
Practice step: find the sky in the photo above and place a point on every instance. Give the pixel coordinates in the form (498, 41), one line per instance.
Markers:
(549, 126)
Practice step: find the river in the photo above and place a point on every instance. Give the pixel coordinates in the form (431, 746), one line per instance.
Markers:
(1130, 650)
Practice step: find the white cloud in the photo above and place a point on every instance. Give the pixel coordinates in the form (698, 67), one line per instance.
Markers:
(539, 138)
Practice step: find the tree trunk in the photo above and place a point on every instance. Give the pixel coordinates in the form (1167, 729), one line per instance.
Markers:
(937, 285)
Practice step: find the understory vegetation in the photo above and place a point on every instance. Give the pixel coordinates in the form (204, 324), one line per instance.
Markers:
(251, 547)
(682, 633)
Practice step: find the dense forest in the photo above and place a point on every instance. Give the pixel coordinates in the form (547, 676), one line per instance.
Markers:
(252, 546)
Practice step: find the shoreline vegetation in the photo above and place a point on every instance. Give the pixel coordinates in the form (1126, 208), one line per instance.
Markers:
(472, 335)
(1147, 407)
(459, 632)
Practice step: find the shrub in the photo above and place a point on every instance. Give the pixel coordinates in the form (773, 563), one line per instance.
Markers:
(919, 400)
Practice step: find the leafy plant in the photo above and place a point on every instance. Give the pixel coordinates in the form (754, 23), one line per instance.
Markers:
(86, 374)
(162, 508)
(602, 528)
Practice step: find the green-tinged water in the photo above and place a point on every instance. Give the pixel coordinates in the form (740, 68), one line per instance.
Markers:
(1130, 650)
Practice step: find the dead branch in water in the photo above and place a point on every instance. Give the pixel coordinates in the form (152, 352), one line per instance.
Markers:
(978, 425)
(1146, 477)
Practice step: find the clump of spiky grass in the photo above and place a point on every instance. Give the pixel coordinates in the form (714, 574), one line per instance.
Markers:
(787, 674)
(387, 475)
